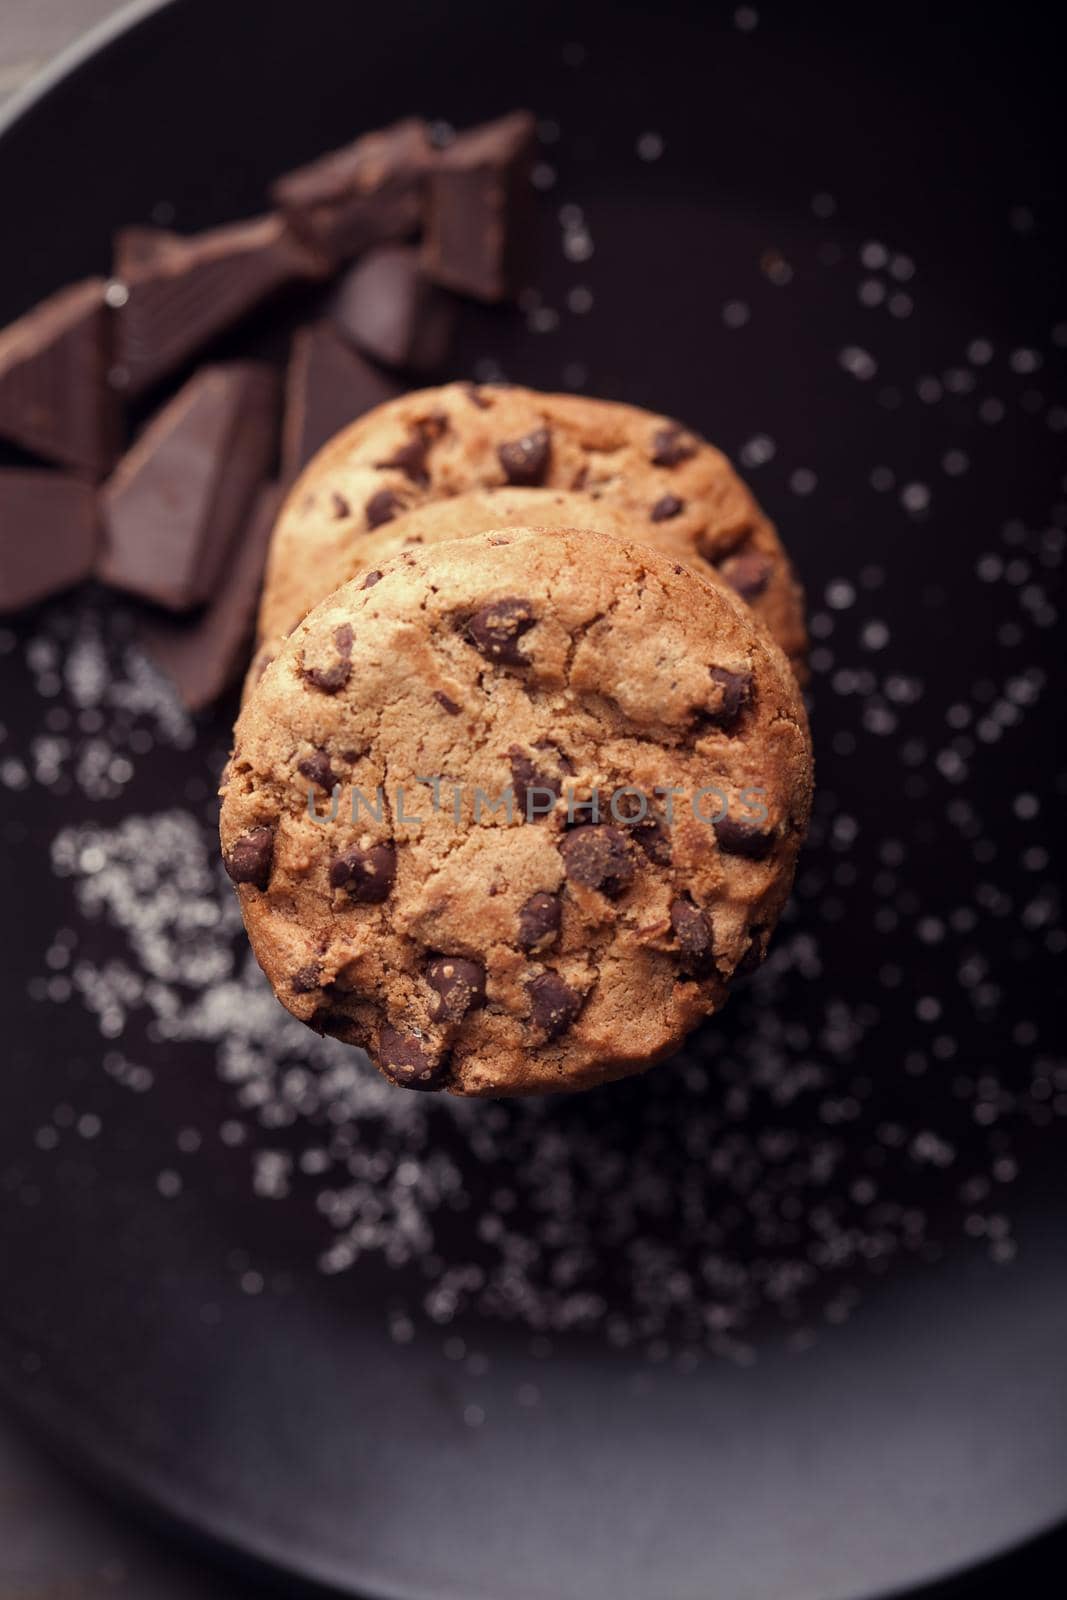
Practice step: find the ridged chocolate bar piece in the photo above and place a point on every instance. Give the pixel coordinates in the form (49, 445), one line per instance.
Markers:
(206, 655)
(54, 394)
(182, 291)
(389, 308)
(179, 497)
(366, 193)
(478, 207)
(327, 386)
(48, 534)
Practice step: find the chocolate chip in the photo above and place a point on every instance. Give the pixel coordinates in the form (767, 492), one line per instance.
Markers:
(667, 506)
(333, 678)
(748, 573)
(736, 690)
(382, 507)
(739, 838)
(370, 580)
(306, 979)
(476, 397)
(409, 1061)
(553, 1004)
(460, 986)
(525, 777)
(446, 703)
(693, 932)
(525, 461)
(496, 629)
(339, 505)
(654, 839)
(671, 445)
(251, 857)
(366, 875)
(597, 855)
(317, 767)
(539, 919)
(411, 458)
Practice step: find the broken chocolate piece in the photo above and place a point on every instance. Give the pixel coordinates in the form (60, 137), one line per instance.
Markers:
(459, 984)
(205, 656)
(182, 291)
(539, 920)
(525, 461)
(327, 386)
(250, 858)
(597, 856)
(410, 1061)
(364, 194)
(671, 445)
(553, 1004)
(477, 208)
(693, 932)
(48, 534)
(178, 498)
(366, 875)
(387, 307)
(331, 678)
(55, 398)
(382, 508)
(496, 629)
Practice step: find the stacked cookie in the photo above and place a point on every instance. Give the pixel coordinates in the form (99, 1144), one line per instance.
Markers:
(522, 769)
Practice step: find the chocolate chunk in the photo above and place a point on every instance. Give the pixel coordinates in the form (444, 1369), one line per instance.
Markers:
(48, 534)
(366, 875)
(672, 445)
(460, 987)
(748, 573)
(317, 768)
(306, 979)
(410, 1061)
(740, 838)
(339, 506)
(332, 678)
(327, 386)
(205, 655)
(666, 507)
(736, 692)
(55, 398)
(553, 1004)
(371, 579)
(177, 500)
(182, 291)
(525, 461)
(693, 932)
(526, 780)
(382, 507)
(539, 920)
(496, 629)
(411, 457)
(361, 195)
(250, 858)
(446, 703)
(478, 208)
(387, 307)
(653, 836)
(597, 855)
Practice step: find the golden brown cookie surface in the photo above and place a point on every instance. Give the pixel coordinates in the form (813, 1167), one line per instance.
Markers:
(679, 494)
(492, 953)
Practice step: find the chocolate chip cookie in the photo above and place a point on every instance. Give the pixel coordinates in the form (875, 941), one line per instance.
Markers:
(680, 495)
(511, 811)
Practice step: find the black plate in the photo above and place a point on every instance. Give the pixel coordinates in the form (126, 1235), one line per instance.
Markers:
(786, 1318)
